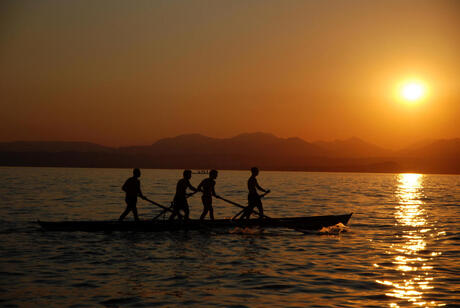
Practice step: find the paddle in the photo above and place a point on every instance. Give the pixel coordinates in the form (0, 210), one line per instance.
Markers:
(166, 209)
(245, 207)
(161, 206)
(254, 211)
(163, 212)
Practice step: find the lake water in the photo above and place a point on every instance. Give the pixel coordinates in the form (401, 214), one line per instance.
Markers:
(401, 248)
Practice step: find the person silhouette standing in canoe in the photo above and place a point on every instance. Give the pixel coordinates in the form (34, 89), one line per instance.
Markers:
(132, 188)
(254, 199)
(180, 198)
(207, 187)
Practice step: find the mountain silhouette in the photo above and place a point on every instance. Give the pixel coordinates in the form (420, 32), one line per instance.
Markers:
(255, 144)
(243, 151)
(353, 147)
(447, 148)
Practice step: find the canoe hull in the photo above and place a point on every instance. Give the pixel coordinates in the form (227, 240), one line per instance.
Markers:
(302, 223)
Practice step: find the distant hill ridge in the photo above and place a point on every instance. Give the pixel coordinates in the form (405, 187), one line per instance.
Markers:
(244, 143)
(353, 147)
(240, 152)
(259, 144)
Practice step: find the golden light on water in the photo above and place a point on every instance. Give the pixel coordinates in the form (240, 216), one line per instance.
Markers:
(408, 257)
(410, 211)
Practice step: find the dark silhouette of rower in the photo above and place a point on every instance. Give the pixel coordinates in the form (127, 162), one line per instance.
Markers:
(254, 199)
(180, 198)
(207, 187)
(132, 188)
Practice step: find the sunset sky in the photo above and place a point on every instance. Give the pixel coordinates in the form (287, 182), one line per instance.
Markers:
(131, 72)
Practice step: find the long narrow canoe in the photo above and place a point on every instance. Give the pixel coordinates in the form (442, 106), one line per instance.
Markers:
(302, 223)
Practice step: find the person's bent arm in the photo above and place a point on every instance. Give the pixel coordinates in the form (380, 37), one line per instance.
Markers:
(213, 192)
(260, 188)
(139, 192)
(199, 188)
(192, 188)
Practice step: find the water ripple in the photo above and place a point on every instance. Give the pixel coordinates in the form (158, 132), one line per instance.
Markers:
(401, 248)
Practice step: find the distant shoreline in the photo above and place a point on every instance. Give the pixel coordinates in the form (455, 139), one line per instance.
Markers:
(241, 152)
(225, 169)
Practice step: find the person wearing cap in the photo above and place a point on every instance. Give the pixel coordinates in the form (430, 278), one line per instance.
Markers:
(180, 198)
(132, 188)
(207, 188)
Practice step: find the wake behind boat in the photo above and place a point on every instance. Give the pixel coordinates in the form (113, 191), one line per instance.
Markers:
(300, 223)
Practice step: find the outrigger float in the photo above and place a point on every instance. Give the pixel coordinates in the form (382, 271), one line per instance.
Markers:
(298, 223)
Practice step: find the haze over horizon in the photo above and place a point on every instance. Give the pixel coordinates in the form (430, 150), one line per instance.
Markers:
(119, 74)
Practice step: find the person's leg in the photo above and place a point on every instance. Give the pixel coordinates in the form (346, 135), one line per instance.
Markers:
(247, 212)
(126, 212)
(203, 215)
(174, 213)
(211, 212)
(175, 209)
(134, 209)
(260, 208)
(186, 211)
(205, 209)
(209, 208)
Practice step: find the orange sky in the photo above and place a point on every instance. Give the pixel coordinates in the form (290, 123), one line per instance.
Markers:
(131, 72)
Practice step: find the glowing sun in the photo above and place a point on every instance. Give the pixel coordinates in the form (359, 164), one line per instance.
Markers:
(413, 91)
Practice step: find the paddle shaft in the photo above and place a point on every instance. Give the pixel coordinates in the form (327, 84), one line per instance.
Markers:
(245, 207)
(165, 209)
(161, 213)
(253, 210)
(226, 200)
(159, 205)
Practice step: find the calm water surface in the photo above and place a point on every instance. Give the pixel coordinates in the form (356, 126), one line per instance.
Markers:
(400, 250)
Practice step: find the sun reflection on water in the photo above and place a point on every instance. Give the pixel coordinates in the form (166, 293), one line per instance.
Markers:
(409, 257)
